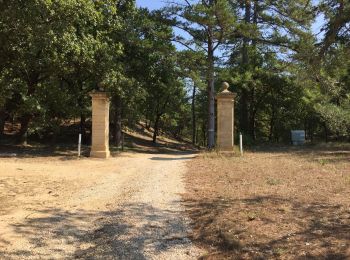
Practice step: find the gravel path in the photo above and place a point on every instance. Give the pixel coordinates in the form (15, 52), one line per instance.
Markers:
(123, 208)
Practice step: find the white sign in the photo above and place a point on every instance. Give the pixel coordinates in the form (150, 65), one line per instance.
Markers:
(298, 137)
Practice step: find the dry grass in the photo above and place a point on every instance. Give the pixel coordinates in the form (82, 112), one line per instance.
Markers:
(285, 203)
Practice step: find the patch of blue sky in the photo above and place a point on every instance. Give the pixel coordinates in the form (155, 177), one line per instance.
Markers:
(150, 4)
(318, 25)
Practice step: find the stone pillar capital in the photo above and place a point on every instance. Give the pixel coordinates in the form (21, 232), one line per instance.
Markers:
(99, 95)
(225, 119)
(225, 93)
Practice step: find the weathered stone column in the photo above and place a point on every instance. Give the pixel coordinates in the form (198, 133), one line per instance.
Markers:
(225, 119)
(100, 125)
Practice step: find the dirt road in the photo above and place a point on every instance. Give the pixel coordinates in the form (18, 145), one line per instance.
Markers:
(127, 207)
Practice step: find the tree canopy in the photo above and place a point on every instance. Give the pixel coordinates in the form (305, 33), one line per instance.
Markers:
(164, 67)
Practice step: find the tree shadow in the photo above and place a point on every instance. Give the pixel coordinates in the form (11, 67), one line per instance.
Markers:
(171, 159)
(324, 154)
(317, 230)
(67, 152)
(131, 232)
(141, 145)
(64, 152)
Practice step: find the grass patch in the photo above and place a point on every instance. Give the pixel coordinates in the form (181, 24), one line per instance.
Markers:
(273, 181)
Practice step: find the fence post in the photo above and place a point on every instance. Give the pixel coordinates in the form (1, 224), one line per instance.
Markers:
(79, 145)
(123, 141)
(241, 143)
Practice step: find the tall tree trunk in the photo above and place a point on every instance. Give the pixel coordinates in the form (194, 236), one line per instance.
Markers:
(159, 112)
(2, 122)
(82, 128)
(311, 135)
(252, 124)
(247, 19)
(82, 123)
(211, 92)
(252, 114)
(244, 120)
(204, 132)
(117, 136)
(194, 115)
(272, 123)
(254, 111)
(325, 132)
(156, 128)
(27, 117)
(22, 134)
(255, 18)
(197, 135)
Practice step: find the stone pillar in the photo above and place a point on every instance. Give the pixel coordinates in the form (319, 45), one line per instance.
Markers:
(225, 119)
(100, 125)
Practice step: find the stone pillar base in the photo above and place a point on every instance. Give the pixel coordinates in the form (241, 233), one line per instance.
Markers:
(227, 153)
(100, 154)
(226, 149)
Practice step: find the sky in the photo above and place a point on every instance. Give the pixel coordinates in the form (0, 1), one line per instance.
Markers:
(150, 4)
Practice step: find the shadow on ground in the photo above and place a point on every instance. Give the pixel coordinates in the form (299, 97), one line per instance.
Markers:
(141, 145)
(234, 227)
(128, 233)
(322, 153)
(64, 152)
(171, 159)
(70, 151)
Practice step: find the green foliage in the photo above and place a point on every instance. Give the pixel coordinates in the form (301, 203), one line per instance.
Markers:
(336, 117)
(328, 94)
(53, 53)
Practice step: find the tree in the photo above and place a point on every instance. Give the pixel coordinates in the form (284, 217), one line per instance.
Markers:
(332, 101)
(163, 88)
(53, 53)
(65, 43)
(327, 71)
(43, 38)
(192, 65)
(208, 23)
(268, 27)
(337, 13)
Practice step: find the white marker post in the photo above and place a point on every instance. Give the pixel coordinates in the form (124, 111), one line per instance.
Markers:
(79, 145)
(241, 143)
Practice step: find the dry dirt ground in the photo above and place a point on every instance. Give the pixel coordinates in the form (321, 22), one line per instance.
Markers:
(128, 207)
(285, 203)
